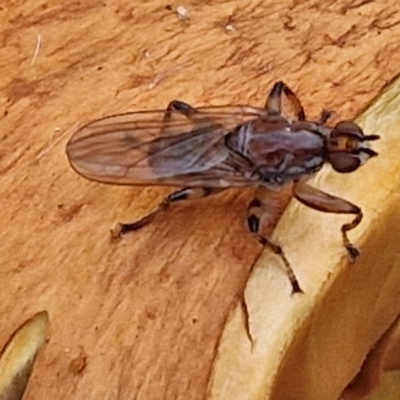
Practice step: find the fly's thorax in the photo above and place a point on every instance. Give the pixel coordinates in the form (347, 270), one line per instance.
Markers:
(280, 150)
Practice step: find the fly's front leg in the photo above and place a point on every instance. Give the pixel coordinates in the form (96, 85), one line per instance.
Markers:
(258, 215)
(321, 201)
(179, 195)
(274, 101)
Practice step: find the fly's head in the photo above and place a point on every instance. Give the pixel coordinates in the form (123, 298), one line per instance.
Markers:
(347, 148)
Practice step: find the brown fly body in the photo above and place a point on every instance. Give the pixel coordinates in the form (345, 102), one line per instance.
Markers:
(206, 150)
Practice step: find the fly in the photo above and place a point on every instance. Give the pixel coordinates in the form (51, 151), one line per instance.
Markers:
(207, 150)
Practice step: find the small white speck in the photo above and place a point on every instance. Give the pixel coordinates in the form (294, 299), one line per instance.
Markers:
(37, 48)
(183, 13)
(229, 28)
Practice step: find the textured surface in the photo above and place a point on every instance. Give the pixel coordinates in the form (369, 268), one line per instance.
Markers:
(18, 355)
(143, 316)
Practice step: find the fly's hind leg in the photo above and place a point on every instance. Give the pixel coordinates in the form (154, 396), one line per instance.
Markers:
(258, 215)
(175, 109)
(274, 100)
(179, 195)
(325, 202)
(181, 106)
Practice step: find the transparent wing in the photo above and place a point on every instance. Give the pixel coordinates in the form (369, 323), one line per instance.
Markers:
(154, 147)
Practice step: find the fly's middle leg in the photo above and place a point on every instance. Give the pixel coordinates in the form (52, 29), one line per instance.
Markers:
(274, 100)
(256, 214)
(325, 116)
(179, 195)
